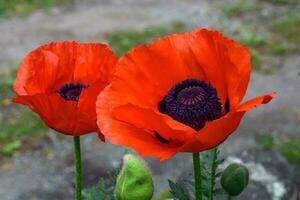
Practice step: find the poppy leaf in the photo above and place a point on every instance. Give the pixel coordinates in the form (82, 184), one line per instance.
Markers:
(210, 173)
(97, 192)
(177, 192)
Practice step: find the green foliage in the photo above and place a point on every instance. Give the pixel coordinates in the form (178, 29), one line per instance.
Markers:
(256, 44)
(279, 49)
(265, 141)
(210, 173)
(17, 123)
(164, 196)
(101, 191)
(253, 40)
(177, 192)
(288, 27)
(256, 61)
(24, 7)
(10, 148)
(121, 42)
(282, 37)
(238, 8)
(97, 192)
(260, 46)
(290, 149)
(6, 82)
(283, 2)
(16, 128)
(113, 181)
(131, 183)
(235, 179)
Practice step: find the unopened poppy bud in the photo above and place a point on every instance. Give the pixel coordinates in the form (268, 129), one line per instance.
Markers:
(235, 179)
(134, 180)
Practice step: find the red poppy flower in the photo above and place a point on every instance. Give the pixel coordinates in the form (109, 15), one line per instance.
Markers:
(61, 80)
(182, 93)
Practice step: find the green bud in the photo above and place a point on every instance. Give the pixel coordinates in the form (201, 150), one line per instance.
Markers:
(134, 181)
(235, 179)
(165, 195)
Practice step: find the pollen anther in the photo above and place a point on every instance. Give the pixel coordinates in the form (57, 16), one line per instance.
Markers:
(71, 91)
(192, 102)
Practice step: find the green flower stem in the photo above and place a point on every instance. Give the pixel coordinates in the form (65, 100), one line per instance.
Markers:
(77, 167)
(229, 197)
(197, 174)
(213, 174)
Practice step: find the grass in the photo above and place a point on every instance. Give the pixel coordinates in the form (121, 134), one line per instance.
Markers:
(288, 147)
(254, 42)
(279, 48)
(264, 45)
(283, 2)
(288, 27)
(266, 35)
(239, 8)
(260, 45)
(265, 141)
(121, 42)
(10, 8)
(251, 39)
(17, 123)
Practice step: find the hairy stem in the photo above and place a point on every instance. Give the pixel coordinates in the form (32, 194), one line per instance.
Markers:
(229, 197)
(197, 174)
(213, 174)
(77, 153)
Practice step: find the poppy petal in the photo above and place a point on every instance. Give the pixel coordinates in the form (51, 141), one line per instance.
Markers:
(207, 47)
(145, 143)
(145, 69)
(215, 132)
(264, 99)
(237, 71)
(101, 136)
(226, 63)
(61, 80)
(88, 97)
(46, 68)
(87, 102)
(55, 112)
(145, 76)
(142, 139)
(29, 81)
(94, 62)
(157, 68)
(50, 66)
(155, 121)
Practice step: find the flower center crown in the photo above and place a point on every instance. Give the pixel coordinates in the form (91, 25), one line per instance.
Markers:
(192, 102)
(71, 91)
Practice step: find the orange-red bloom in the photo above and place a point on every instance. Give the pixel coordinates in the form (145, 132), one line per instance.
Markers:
(182, 93)
(60, 81)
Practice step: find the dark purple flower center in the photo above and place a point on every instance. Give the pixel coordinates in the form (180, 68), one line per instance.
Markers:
(71, 91)
(192, 102)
